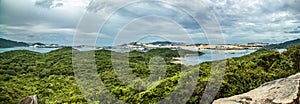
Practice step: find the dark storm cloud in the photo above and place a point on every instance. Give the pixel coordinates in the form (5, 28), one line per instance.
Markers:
(293, 32)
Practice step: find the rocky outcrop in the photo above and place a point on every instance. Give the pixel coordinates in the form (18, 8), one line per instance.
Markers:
(281, 91)
(29, 100)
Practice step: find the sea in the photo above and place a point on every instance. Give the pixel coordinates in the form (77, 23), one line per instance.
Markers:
(214, 55)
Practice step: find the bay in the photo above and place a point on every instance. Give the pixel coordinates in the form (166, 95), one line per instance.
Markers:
(213, 55)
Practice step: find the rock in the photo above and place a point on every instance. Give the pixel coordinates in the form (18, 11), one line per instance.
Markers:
(29, 100)
(281, 91)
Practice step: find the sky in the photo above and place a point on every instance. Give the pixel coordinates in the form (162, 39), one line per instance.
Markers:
(80, 22)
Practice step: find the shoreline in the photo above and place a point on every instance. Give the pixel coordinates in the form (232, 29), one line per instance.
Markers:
(190, 60)
(179, 60)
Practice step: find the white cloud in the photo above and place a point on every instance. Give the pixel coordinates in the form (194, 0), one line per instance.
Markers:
(61, 3)
(255, 20)
(125, 13)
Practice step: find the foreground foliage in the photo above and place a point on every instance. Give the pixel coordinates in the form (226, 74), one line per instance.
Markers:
(50, 76)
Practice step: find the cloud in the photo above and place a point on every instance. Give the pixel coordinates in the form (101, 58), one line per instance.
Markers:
(292, 5)
(48, 3)
(255, 20)
(25, 20)
(59, 3)
(38, 33)
(152, 26)
(240, 20)
(296, 30)
(125, 12)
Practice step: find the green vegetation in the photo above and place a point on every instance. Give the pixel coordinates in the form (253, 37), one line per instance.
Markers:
(50, 76)
(4, 43)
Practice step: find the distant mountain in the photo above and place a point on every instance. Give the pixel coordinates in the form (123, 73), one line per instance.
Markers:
(38, 44)
(4, 43)
(161, 43)
(166, 43)
(283, 45)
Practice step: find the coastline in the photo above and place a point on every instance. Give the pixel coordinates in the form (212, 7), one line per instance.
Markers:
(179, 60)
(192, 59)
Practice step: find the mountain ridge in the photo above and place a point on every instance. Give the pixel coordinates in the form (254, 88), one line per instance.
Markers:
(5, 43)
(285, 44)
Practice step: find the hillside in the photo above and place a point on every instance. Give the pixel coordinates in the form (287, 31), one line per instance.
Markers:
(50, 76)
(4, 43)
(281, 91)
(283, 45)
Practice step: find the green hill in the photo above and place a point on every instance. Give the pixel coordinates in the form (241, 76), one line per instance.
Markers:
(50, 76)
(4, 43)
(283, 45)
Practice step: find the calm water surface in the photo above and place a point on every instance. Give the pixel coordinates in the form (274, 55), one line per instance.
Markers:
(213, 55)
